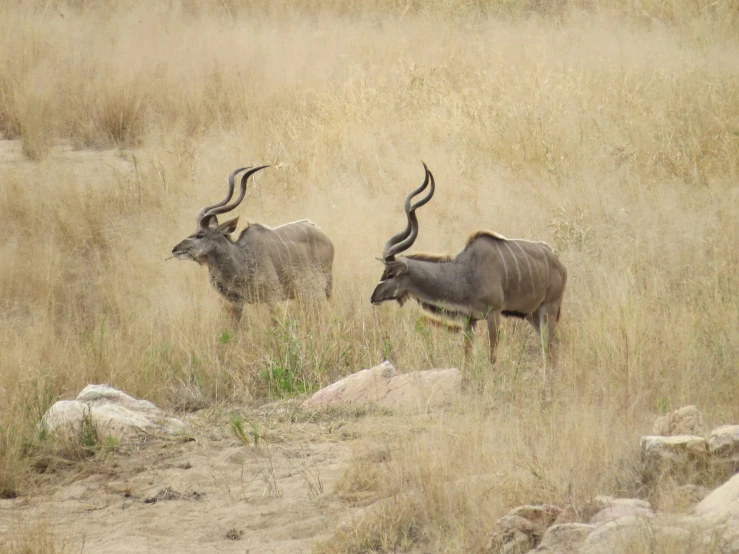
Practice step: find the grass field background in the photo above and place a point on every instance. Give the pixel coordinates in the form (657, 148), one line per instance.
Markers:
(609, 130)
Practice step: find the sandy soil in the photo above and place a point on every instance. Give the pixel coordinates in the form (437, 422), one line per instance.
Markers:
(208, 494)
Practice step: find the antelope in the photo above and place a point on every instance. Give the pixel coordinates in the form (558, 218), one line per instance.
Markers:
(264, 264)
(490, 277)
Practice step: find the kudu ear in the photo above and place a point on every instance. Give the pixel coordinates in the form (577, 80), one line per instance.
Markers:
(213, 222)
(228, 227)
(397, 267)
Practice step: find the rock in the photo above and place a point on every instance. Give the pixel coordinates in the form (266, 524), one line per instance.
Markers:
(604, 501)
(720, 512)
(522, 528)
(724, 442)
(683, 421)
(113, 412)
(383, 386)
(674, 447)
(627, 535)
(564, 538)
(680, 455)
(628, 525)
(539, 516)
(616, 508)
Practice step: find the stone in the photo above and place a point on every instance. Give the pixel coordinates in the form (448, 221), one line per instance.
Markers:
(522, 528)
(628, 525)
(684, 421)
(383, 386)
(114, 413)
(623, 507)
(720, 512)
(563, 538)
(627, 535)
(674, 447)
(539, 515)
(614, 537)
(603, 501)
(679, 455)
(724, 442)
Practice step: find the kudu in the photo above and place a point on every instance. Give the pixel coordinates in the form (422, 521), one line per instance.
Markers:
(264, 264)
(490, 277)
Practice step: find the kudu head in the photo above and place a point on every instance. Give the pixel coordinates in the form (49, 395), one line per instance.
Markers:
(393, 283)
(210, 237)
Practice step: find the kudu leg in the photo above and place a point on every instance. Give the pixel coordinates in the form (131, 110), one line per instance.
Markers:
(234, 311)
(493, 319)
(544, 321)
(469, 335)
(329, 287)
(551, 325)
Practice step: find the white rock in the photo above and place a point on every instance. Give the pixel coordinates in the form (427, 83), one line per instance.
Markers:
(724, 442)
(564, 538)
(383, 386)
(619, 536)
(629, 525)
(674, 447)
(720, 511)
(679, 455)
(113, 412)
(622, 509)
(604, 501)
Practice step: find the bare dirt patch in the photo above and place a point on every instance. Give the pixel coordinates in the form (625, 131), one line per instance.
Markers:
(210, 493)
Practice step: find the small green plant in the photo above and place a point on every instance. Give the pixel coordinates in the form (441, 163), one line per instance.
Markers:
(110, 444)
(85, 440)
(422, 328)
(89, 437)
(387, 349)
(237, 428)
(288, 368)
(226, 336)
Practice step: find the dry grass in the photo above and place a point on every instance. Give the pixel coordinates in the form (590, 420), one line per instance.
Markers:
(610, 131)
(32, 537)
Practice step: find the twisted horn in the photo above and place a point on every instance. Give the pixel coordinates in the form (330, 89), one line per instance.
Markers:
(227, 208)
(223, 202)
(407, 206)
(408, 237)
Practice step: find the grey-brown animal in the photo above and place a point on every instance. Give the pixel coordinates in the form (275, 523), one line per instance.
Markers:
(264, 264)
(492, 276)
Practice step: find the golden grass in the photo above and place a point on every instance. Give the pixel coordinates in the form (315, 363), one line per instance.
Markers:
(609, 131)
(32, 537)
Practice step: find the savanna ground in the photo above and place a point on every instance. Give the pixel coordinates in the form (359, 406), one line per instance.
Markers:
(608, 129)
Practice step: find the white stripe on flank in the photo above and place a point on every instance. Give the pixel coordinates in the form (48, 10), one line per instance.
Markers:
(544, 247)
(518, 269)
(287, 252)
(308, 221)
(531, 274)
(505, 264)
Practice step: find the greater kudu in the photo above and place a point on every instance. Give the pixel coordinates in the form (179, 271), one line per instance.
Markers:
(490, 277)
(264, 264)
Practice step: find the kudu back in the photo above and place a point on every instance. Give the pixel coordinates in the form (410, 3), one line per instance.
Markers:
(490, 277)
(264, 264)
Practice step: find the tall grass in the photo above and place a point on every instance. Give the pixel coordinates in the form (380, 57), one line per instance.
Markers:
(610, 131)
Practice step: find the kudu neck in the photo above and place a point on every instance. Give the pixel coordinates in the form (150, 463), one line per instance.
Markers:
(436, 279)
(230, 261)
